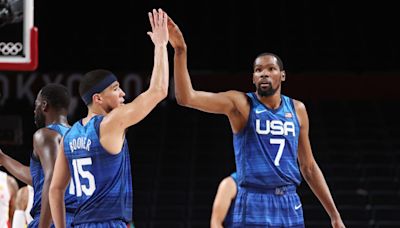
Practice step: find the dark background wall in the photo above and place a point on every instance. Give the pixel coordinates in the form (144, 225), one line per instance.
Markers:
(222, 35)
(342, 62)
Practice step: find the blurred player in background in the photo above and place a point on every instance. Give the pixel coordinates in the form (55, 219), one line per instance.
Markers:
(8, 192)
(23, 205)
(224, 201)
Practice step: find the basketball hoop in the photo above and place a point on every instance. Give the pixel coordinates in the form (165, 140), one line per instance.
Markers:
(18, 54)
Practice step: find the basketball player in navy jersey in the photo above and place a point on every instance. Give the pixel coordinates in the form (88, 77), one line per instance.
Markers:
(95, 151)
(222, 210)
(270, 136)
(51, 108)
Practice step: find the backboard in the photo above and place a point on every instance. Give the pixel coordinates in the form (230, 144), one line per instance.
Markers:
(18, 36)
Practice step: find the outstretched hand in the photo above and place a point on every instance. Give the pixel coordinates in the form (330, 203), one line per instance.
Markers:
(159, 32)
(175, 35)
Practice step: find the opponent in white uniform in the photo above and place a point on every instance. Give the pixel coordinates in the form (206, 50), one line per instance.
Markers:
(23, 205)
(8, 189)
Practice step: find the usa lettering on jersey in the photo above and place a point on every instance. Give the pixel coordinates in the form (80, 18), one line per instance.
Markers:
(275, 127)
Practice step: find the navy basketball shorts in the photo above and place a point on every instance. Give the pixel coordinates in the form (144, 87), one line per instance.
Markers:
(277, 207)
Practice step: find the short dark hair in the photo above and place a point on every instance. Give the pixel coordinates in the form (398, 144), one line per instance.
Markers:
(280, 62)
(91, 79)
(56, 95)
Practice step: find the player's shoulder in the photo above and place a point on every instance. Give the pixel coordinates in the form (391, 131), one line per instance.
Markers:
(238, 97)
(228, 182)
(234, 94)
(11, 180)
(228, 186)
(43, 133)
(240, 100)
(299, 105)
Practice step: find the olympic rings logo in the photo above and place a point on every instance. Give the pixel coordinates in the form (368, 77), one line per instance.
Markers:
(10, 48)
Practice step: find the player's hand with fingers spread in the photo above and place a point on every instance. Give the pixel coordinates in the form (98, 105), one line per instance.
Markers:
(175, 35)
(159, 32)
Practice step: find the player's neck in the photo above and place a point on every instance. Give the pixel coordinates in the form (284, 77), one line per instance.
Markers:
(57, 119)
(272, 102)
(93, 111)
(96, 110)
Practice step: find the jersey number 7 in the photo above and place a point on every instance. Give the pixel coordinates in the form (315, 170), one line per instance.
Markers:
(281, 143)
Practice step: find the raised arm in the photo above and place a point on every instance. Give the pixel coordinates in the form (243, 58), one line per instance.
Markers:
(231, 103)
(221, 103)
(127, 115)
(311, 171)
(46, 143)
(17, 169)
(59, 183)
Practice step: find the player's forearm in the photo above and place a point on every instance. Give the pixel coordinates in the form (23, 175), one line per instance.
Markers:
(183, 84)
(45, 212)
(215, 222)
(318, 185)
(160, 75)
(57, 205)
(17, 169)
(181, 50)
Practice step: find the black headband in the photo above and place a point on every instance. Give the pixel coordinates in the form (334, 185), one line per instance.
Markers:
(99, 87)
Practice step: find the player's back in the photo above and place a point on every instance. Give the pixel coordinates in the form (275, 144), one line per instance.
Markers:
(103, 183)
(69, 197)
(38, 176)
(269, 143)
(37, 172)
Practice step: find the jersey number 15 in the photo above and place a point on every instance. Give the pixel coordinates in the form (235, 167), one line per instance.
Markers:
(81, 174)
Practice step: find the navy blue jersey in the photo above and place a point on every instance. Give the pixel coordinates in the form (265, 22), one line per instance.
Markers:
(38, 178)
(266, 149)
(103, 182)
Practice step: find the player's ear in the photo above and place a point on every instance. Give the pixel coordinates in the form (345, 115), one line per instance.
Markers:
(97, 98)
(283, 77)
(44, 106)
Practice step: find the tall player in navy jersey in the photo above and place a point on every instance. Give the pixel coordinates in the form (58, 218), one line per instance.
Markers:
(95, 151)
(51, 109)
(270, 136)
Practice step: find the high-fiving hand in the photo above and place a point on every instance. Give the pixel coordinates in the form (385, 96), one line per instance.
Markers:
(159, 32)
(175, 35)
